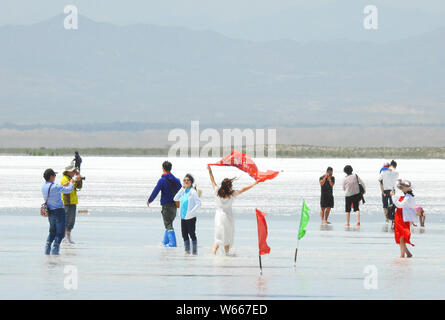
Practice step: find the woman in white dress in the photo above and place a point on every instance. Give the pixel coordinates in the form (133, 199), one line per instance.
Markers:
(224, 220)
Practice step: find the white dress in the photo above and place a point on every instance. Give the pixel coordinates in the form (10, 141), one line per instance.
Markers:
(224, 220)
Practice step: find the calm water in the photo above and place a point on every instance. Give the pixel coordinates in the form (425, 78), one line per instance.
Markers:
(117, 253)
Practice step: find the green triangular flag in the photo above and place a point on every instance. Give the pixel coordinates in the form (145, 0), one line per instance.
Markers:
(303, 220)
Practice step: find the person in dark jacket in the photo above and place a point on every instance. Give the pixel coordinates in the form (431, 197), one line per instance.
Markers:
(77, 160)
(169, 185)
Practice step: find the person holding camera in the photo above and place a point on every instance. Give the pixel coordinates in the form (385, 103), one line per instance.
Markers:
(327, 196)
(52, 194)
(70, 200)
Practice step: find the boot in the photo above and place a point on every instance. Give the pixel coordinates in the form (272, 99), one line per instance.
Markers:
(171, 238)
(48, 248)
(68, 237)
(195, 247)
(187, 246)
(55, 250)
(165, 240)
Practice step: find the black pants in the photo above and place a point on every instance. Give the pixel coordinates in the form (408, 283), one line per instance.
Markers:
(188, 228)
(353, 201)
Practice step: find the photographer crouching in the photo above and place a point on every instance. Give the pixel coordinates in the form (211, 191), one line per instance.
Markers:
(70, 200)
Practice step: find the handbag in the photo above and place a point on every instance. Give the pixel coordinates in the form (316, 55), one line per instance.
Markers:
(44, 211)
(177, 203)
(391, 212)
(361, 189)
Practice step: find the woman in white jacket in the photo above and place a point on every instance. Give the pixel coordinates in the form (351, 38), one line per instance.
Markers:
(404, 216)
(189, 204)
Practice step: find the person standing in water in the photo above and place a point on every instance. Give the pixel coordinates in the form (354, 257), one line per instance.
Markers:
(169, 185)
(224, 220)
(388, 181)
(70, 200)
(188, 198)
(52, 194)
(405, 215)
(352, 193)
(327, 197)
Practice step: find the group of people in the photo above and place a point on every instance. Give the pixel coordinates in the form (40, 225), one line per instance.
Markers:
(61, 200)
(186, 198)
(403, 211)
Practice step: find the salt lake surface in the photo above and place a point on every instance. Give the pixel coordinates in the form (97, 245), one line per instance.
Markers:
(117, 253)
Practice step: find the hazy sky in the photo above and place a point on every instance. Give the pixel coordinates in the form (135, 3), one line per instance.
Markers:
(174, 12)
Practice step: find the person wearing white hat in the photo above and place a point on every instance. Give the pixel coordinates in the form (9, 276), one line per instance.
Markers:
(404, 216)
(70, 200)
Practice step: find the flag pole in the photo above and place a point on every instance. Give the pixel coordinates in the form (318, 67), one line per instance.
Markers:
(296, 252)
(261, 266)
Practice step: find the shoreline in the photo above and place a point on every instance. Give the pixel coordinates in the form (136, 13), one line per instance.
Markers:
(282, 151)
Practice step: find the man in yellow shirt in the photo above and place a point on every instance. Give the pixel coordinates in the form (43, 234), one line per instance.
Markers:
(70, 200)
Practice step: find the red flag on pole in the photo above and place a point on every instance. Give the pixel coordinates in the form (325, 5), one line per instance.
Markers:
(243, 162)
(262, 232)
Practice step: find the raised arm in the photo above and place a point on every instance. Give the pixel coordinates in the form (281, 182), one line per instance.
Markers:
(212, 179)
(248, 187)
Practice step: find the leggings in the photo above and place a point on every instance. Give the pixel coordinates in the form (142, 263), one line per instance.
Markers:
(188, 228)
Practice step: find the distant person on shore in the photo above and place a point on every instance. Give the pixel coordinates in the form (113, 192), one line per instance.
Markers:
(327, 183)
(353, 196)
(405, 215)
(169, 185)
(224, 220)
(388, 181)
(77, 160)
(70, 200)
(188, 198)
(52, 194)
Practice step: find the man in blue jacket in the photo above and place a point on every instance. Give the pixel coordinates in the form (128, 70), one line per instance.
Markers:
(169, 185)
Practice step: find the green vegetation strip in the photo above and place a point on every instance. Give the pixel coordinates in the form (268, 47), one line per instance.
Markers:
(282, 151)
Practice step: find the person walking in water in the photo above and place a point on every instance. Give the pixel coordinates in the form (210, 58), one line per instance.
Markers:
(327, 183)
(70, 200)
(224, 220)
(52, 194)
(405, 215)
(351, 186)
(388, 181)
(169, 185)
(188, 198)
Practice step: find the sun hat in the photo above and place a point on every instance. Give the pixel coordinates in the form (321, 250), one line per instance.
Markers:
(70, 168)
(404, 184)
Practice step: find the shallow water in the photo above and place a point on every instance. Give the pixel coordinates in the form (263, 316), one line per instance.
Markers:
(117, 253)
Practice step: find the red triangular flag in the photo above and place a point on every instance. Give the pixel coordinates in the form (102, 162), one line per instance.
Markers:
(262, 232)
(243, 162)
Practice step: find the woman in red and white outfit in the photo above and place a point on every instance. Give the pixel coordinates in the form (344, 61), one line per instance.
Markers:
(405, 215)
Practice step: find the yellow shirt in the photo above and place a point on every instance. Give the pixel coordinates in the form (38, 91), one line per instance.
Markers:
(70, 198)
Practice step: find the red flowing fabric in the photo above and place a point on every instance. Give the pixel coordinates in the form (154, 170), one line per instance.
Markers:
(243, 162)
(401, 228)
(262, 232)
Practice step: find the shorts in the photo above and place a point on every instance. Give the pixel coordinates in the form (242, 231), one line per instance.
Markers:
(386, 199)
(353, 201)
(327, 201)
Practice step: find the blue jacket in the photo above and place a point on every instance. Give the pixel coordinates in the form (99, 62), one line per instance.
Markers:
(163, 186)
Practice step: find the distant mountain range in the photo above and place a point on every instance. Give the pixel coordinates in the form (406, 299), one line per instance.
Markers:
(168, 76)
